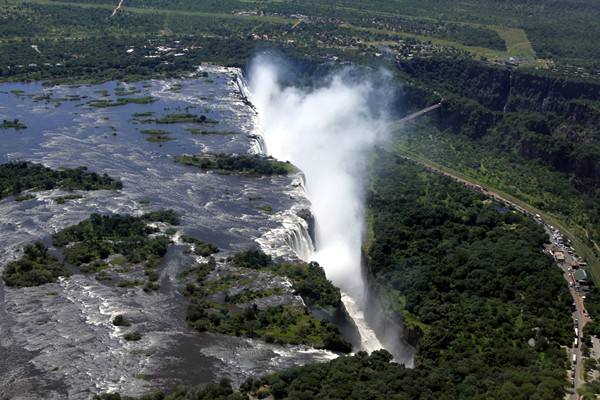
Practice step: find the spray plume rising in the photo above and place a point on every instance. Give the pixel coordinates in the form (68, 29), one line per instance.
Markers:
(327, 132)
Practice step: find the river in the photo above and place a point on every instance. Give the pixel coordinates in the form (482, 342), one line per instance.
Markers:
(57, 340)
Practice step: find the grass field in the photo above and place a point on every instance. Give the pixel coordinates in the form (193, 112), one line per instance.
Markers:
(517, 43)
(516, 40)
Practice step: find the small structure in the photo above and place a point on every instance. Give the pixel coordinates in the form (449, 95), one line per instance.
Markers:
(575, 265)
(559, 256)
(580, 276)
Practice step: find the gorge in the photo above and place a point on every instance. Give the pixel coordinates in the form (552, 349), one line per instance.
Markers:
(328, 131)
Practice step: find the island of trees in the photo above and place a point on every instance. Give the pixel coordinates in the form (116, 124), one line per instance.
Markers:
(36, 267)
(16, 177)
(243, 300)
(12, 124)
(121, 101)
(242, 164)
(200, 247)
(102, 244)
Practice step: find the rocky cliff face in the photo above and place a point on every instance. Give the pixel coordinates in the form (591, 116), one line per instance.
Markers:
(398, 338)
(538, 117)
(494, 86)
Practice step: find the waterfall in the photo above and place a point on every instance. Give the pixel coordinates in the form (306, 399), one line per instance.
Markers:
(339, 230)
(301, 242)
(368, 338)
(291, 239)
(257, 139)
(257, 144)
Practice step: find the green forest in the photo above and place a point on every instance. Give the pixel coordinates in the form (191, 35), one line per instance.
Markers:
(103, 235)
(12, 124)
(472, 277)
(201, 247)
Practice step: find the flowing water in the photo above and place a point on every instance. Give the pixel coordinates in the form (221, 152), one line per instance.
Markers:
(325, 132)
(57, 340)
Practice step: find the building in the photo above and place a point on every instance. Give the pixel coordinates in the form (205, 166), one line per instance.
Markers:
(575, 265)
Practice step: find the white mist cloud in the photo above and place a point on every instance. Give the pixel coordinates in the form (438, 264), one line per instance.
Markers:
(327, 132)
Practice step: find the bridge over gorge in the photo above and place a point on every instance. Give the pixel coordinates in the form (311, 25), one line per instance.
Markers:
(400, 123)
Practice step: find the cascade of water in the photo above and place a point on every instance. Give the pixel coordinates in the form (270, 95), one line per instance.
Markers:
(300, 241)
(258, 145)
(335, 256)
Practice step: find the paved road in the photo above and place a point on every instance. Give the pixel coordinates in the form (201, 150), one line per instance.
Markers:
(580, 315)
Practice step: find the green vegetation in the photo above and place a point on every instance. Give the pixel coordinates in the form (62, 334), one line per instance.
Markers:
(521, 133)
(213, 307)
(591, 388)
(201, 247)
(243, 164)
(123, 91)
(143, 114)
(106, 244)
(196, 131)
(159, 139)
(103, 235)
(35, 268)
(14, 124)
(590, 391)
(78, 39)
(185, 118)
(16, 177)
(24, 197)
(121, 101)
(132, 336)
(64, 199)
(354, 378)
(309, 280)
(154, 132)
(254, 259)
(454, 263)
(167, 216)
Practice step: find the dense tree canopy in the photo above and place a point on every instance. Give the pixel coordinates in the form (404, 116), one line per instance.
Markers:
(35, 268)
(16, 177)
(243, 164)
(213, 307)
